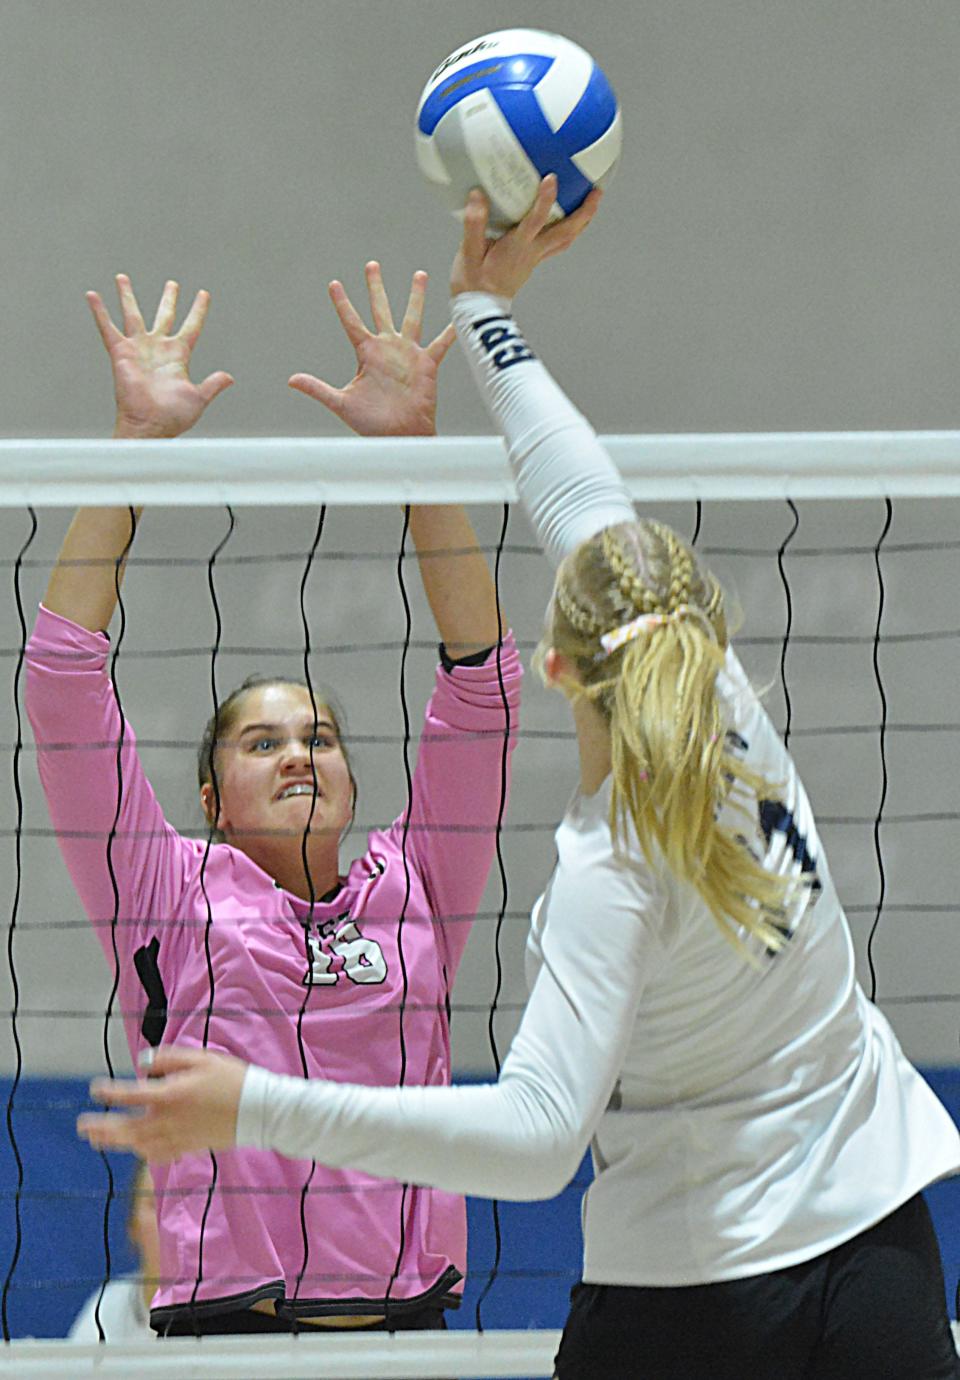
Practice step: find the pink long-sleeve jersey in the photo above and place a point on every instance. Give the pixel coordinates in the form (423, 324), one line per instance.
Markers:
(370, 970)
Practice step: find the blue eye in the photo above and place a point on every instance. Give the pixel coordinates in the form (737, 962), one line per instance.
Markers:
(322, 740)
(263, 744)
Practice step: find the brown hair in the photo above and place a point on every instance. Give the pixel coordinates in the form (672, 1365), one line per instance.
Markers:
(671, 767)
(229, 710)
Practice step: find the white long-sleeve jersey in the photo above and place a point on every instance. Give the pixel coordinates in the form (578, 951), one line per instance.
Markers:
(741, 1118)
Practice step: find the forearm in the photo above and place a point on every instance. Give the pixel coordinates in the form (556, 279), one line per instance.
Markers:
(83, 584)
(496, 1140)
(567, 482)
(456, 579)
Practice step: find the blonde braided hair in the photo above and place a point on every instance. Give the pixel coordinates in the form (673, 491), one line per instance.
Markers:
(671, 768)
(585, 622)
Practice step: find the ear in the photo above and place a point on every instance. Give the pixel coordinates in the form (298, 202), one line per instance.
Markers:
(558, 668)
(208, 804)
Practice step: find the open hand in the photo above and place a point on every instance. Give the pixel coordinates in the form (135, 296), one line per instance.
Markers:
(394, 391)
(155, 396)
(192, 1107)
(502, 266)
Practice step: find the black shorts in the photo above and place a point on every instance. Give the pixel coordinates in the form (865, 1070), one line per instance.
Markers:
(871, 1309)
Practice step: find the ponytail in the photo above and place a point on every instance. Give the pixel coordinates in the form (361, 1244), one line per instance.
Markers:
(645, 626)
(672, 773)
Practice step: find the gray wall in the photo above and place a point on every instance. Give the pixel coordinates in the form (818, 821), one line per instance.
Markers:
(776, 252)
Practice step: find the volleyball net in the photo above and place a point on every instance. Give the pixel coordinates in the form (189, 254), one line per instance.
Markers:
(266, 555)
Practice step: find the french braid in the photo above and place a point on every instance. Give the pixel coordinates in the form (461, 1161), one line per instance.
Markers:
(578, 617)
(623, 567)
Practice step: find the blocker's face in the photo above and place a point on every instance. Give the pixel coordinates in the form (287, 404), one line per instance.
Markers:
(265, 777)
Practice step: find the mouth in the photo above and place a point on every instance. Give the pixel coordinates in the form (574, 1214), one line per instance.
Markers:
(299, 788)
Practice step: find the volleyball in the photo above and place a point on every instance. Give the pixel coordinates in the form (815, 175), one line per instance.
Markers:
(506, 109)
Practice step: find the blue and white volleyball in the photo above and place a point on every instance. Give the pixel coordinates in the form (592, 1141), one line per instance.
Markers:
(503, 111)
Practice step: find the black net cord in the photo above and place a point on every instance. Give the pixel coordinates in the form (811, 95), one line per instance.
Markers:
(111, 839)
(208, 925)
(781, 567)
(11, 930)
(878, 821)
(304, 853)
(504, 894)
(405, 713)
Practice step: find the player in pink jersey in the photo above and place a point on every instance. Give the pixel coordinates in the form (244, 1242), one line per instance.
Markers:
(259, 945)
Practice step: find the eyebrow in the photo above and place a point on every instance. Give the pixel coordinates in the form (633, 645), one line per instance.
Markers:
(308, 725)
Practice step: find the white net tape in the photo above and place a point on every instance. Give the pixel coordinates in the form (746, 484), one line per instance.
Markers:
(471, 469)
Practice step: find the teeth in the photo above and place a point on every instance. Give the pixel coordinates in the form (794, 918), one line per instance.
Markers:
(302, 789)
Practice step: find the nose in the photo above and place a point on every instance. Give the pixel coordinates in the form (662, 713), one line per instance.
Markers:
(295, 758)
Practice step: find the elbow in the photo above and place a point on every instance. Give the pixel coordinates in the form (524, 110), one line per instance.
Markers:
(549, 1167)
(550, 1136)
(548, 1181)
(560, 1171)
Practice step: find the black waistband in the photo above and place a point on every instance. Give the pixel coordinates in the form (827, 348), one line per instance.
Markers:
(248, 1320)
(204, 1316)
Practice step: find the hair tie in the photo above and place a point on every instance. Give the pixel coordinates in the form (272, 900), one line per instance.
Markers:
(610, 641)
(627, 632)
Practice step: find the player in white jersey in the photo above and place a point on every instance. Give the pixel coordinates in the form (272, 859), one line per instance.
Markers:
(759, 1141)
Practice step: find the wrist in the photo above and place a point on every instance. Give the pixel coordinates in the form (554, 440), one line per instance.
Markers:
(424, 424)
(386, 432)
(482, 299)
(126, 430)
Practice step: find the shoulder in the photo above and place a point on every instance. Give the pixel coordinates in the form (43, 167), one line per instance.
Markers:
(733, 676)
(373, 863)
(614, 872)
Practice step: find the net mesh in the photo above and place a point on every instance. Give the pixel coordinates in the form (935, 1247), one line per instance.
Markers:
(848, 619)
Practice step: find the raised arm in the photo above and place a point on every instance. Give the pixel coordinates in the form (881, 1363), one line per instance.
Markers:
(394, 393)
(86, 755)
(567, 482)
(155, 398)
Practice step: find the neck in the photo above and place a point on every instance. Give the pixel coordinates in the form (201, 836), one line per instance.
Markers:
(307, 888)
(286, 867)
(593, 742)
